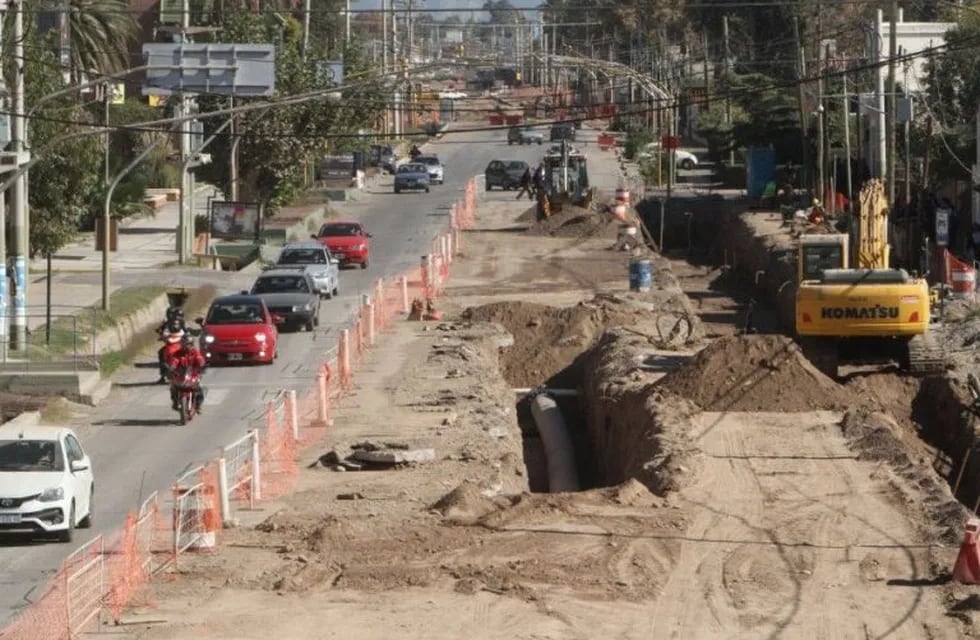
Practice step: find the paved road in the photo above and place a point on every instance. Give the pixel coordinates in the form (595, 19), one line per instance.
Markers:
(132, 438)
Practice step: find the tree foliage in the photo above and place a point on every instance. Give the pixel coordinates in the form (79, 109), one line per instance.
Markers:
(277, 146)
(761, 116)
(102, 32)
(952, 93)
(63, 183)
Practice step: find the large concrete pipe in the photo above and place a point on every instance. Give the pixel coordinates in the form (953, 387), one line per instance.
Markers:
(558, 449)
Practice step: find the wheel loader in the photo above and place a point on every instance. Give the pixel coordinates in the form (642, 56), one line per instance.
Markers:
(868, 313)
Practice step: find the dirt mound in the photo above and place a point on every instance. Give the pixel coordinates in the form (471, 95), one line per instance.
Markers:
(548, 340)
(755, 373)
(465, 503)
(570, 222)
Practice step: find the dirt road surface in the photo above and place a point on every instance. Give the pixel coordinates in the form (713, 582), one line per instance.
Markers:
(775, 525)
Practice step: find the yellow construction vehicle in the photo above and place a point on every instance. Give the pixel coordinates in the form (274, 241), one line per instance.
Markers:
(865, 314)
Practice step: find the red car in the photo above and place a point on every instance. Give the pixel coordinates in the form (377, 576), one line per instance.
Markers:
(239, 328)
(348, 242)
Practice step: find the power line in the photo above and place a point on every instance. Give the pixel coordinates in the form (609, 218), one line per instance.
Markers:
(966, 43)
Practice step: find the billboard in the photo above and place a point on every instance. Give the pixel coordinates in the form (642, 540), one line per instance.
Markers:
(235, 220)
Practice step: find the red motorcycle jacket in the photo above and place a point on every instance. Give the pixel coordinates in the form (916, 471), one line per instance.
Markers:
(188, 359)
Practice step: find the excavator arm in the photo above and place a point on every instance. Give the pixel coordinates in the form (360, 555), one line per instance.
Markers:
(872, 227)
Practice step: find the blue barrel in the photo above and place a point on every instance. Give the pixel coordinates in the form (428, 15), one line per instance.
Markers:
(641, 275)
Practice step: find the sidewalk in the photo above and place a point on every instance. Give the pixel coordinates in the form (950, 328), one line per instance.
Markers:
(148, 243)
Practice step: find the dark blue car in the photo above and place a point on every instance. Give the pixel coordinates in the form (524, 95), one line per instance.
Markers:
(412, 176)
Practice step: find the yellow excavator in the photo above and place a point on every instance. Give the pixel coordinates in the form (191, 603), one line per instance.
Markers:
(869, 313)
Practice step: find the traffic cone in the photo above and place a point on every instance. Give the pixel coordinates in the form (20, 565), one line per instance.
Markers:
(967, 567)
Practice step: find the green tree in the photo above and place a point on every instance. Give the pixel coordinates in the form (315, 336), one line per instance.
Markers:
(102, 32)
(952, 93)
(277, 146)
(64, 182)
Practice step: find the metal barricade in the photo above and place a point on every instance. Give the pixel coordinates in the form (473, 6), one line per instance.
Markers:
(85, 584)
(238, 472)
(188, 524)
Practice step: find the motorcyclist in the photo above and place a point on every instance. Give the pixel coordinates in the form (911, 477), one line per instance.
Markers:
(415, 152)
(188, 358)
(174, 317)
(171, 334)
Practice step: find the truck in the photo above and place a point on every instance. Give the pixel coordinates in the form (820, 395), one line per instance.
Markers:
(314, 259)
(868, 314)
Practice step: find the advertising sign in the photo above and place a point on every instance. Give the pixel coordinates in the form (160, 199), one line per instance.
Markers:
(235, 220)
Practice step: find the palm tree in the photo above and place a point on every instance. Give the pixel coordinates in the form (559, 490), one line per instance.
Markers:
(101, 34)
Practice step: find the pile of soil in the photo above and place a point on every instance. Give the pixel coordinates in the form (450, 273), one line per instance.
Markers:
(548, 340)
(756, 373)
(570, 222)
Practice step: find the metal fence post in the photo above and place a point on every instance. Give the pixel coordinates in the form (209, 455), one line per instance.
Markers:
(223, 492)
(369, 312)
(256, 492)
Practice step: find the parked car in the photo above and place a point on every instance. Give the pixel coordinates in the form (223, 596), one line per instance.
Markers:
(562, 131)
(505, 174)
(315, 260)
(412, 176)
(435, 167)
(46, 482)
(524, 135)
(682, 159)
(291, 296)
(349, 242)
(239, 328)
(383, 156)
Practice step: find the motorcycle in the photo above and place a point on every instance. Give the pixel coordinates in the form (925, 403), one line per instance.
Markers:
(186, 384)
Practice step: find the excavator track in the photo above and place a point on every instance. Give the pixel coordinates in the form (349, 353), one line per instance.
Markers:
(926, 356)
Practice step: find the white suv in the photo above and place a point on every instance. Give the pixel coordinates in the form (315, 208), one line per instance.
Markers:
(436, 171)
(46, 482)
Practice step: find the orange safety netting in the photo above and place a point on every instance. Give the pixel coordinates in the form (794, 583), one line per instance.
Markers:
(277, 449)
(129, 566)
(46, 618)
(210, 502)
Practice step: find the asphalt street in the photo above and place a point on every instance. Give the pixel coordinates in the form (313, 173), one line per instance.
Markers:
(133, 438)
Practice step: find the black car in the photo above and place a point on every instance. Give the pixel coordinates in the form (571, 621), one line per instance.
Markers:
(562, 131)
(291, 297)
(505, 174)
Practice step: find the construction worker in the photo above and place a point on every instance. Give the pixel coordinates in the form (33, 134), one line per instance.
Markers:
(816, 215)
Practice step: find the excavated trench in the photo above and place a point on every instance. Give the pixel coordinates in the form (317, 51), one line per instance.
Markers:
(756, 254)
(552, 347)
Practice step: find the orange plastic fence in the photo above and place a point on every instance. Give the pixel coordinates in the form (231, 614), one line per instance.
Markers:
(46, 618)
(277, 450)
(144, 534)
(128, 568)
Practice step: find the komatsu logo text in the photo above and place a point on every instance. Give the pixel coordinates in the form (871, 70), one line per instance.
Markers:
(876, 312)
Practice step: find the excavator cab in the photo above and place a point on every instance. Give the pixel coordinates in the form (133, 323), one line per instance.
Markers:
(819, 252)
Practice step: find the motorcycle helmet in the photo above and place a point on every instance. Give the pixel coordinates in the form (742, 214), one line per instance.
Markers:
(173, 336)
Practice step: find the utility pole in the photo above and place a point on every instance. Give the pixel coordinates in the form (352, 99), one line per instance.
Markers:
(821, 146)
(4, 322)
(233, 153)
(347, 25)
(728, 90)
(707, 72)
(18, 201)
(801, 74)
(306, 28)
(847, 142)
(976, 169)
(892, 103)
(186, 183)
